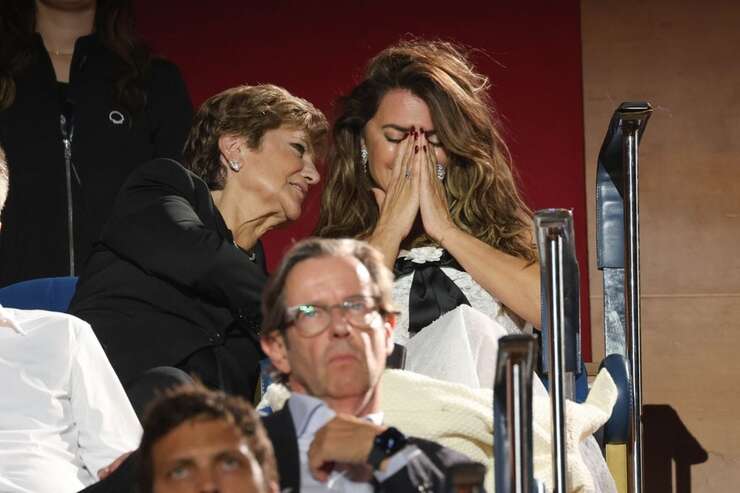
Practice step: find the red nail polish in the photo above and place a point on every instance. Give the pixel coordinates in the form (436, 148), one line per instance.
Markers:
(425, 148)
(421, 130)
(416, 149)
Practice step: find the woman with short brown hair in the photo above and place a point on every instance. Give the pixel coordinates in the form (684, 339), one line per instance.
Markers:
(177, 276)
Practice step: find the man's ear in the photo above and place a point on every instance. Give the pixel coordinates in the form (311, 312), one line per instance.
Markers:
(273, 344)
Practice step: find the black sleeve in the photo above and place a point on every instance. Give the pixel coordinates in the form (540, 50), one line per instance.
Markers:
(156, 227)
(427, 471)
(281, 431)
(122, 480)
(171, 109)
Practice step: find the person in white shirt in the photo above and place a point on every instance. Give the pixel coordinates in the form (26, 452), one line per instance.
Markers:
(64, 416)
(327, 328)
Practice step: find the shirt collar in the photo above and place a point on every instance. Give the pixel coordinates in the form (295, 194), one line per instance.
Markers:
(8, 319)
(305, 409)
(308, 412)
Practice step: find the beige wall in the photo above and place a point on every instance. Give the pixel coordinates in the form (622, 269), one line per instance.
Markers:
(684, 58)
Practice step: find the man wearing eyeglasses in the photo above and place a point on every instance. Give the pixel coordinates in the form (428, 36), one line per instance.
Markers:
(328, 323)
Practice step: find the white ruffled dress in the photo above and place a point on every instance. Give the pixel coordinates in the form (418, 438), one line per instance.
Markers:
(461, 345)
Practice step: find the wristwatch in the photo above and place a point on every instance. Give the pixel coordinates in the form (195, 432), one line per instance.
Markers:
(385, 445)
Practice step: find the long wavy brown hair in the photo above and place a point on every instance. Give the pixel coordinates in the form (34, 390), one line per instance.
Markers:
(114, 24)
(481, 189)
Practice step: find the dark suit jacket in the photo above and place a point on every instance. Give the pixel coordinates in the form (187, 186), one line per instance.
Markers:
(166, 278)
(424, 473)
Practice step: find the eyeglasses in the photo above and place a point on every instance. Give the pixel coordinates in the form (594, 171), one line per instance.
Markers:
(311, 320)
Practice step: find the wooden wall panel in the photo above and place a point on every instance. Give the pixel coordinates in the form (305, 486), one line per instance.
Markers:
(683, 58)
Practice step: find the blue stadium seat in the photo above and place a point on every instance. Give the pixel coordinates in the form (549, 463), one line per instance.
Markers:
(46, 293)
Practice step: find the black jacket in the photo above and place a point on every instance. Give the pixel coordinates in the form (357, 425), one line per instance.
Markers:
(426, 472)
(35, 239)
(166, 278)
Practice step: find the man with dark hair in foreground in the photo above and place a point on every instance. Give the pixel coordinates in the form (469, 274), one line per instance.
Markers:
(199, 440)
(328, 322)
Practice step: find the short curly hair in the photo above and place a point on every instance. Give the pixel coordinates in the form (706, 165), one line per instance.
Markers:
(247, 111)
(196, 402)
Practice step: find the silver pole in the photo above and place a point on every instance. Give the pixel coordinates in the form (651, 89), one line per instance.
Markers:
(513, 414)
(554, 235)
(632, 303)
(515, 374)
(556, 305)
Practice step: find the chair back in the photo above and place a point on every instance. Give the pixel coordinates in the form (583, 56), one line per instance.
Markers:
(47, 293)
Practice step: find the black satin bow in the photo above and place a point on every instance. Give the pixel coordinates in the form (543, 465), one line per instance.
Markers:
(432, 293)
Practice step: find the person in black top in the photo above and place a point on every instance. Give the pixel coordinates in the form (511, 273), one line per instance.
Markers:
(177, 275)
(82, 103)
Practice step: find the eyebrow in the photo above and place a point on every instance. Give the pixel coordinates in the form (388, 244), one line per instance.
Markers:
(302, 136)
(405, 129)
(230, 454)
(319, 303)
(307, 145)
(183, 462)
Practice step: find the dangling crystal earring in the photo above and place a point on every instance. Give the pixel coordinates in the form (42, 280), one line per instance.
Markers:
(235, 165)
(363, 159)
(441, 171)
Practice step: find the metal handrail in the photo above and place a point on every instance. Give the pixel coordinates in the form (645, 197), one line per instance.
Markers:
(512, 414)
(561, 323)
(618, 254)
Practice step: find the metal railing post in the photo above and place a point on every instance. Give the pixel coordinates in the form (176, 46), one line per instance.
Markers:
(632, 300)
(512, 414)
(618, 255)
(554, 236)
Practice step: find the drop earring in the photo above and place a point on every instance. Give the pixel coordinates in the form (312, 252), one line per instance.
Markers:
(363, 159)
(441, 171)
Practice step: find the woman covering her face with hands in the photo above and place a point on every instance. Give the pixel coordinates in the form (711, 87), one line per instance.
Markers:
(419, 169)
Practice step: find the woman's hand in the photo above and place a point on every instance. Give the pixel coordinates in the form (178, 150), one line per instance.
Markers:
(399, 203)
(435, 212)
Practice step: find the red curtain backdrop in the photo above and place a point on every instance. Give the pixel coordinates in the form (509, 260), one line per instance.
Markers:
(531, 50)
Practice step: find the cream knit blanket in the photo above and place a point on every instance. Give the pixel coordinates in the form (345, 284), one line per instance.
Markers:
(461, 418)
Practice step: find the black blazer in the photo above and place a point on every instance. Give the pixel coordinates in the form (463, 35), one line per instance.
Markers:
(424, 473)
(166, 278)
(35, 238)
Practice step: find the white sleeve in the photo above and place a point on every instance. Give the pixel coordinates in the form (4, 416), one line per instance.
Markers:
(107, 424)
(398, 461)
